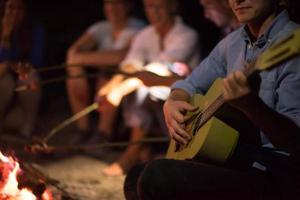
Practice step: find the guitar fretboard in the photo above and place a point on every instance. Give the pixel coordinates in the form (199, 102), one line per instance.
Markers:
(208, 112)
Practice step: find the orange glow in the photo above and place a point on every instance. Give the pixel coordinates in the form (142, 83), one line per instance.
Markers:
(118, 92)
(9, 190)
(158, 69)
(47, 195)
(120, 85)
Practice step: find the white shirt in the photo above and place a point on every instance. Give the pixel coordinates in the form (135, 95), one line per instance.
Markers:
(102, 33)
(180, 45)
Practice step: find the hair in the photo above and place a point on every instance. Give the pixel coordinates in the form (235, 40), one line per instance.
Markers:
(217, 1)
(283, 4)
(25, 29)
(174, 6)
(127, 3)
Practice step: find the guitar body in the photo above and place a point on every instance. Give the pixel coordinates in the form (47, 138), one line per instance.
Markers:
(214, 141)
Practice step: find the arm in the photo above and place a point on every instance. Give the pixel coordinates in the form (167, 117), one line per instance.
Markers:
(85, 43)
(99, 59)
(81, 53)
(197, 82)
(151, 79)
(280, 130)
(5, 39)
(7, 26)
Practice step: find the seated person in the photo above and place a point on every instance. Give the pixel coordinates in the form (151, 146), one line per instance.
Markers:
(270, 102)
(220, 13)
(103, 45)
(166, 40)
(21, 43)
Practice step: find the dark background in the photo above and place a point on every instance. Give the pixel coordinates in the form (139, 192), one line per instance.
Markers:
(64, 21)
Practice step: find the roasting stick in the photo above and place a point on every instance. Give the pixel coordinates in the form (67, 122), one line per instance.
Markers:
(112, 70)
(26, 87)
(42, 143)
(130, 82)
(70, 120)
(56, 67)
(60, 66)
(87, 148)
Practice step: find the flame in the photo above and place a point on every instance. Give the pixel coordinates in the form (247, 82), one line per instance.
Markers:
(124, 88)
(9, 184)
(120, 85)
(159, 69)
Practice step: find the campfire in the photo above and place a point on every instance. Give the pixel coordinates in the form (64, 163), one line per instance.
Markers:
(14, 184)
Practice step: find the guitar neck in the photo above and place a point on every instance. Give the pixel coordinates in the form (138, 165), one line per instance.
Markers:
(209, 112)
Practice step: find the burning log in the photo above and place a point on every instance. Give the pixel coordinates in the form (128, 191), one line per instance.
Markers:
(36, 173)
(15, 185)
(4, 173)
(38, 148)
(37, 187)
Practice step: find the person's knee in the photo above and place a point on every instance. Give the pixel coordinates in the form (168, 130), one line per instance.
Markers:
(75, 71)
(152, 180)
(130, 183)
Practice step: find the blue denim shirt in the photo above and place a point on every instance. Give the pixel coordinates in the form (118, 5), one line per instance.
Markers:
(280, 86)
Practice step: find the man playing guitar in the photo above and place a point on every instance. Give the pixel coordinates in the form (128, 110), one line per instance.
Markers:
(273, 106)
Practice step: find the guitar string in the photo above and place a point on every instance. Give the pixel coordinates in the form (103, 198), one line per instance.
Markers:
(209, 111)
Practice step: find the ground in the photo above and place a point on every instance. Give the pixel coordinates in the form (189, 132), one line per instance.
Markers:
(91, 184)
(79, 174)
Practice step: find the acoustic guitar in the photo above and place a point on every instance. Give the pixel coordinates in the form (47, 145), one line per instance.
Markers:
(212, 139)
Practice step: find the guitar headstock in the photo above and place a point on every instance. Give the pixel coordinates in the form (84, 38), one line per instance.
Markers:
(279, 52)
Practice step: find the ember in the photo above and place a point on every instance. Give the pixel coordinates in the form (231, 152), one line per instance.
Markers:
(9, 172)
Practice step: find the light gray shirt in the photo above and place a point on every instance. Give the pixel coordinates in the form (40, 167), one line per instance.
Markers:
(180, 45)
(102, 33)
